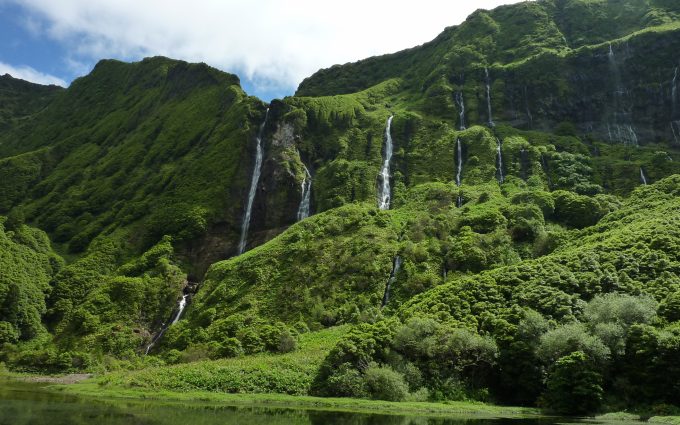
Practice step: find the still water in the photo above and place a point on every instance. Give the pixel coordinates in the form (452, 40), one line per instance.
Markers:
(24, 404)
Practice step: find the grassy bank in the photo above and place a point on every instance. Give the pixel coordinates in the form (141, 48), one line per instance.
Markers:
(483, 410)
(291, 373)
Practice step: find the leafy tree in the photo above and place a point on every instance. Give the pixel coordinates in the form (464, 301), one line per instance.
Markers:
(574, 385)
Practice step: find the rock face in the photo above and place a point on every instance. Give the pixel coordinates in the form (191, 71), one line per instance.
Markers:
(615, 82)
(623, 92)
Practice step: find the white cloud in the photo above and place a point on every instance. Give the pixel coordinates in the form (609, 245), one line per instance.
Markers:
(276, 41)
(29, 74)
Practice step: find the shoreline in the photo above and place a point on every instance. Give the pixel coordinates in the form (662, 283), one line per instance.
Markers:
(468, 409)
(86, 385)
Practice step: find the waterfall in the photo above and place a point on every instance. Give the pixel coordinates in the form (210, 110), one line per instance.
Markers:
(253, 187)
(526, 104)
(499, 161)
(524, 163)
(488, 97)
(180, 309)
(396, 266)
(181, 305)
(384, 192)
(303, 209)
(459, 170)
(643, 179)
(676, 136)
(459, 154)
(674, 91)
(546, 170)
(461, 106)
(623, 122)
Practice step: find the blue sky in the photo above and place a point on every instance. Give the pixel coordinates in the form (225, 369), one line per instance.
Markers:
(271, 44)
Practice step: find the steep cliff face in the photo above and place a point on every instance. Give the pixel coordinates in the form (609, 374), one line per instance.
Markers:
(546, 62)
(20, 99)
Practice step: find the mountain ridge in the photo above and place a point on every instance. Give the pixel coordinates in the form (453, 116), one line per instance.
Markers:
(141, 175)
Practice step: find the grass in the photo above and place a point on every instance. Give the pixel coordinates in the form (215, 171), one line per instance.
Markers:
(290, 373)
(262, 375)
(282, 400)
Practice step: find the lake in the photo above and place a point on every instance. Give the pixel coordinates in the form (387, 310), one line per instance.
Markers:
(28, 403)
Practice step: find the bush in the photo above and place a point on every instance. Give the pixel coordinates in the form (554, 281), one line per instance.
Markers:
(670, 307)
(383, 383)
(574, 386)
(230, 347)
(346, 381)
(569, 338)
(8, 333)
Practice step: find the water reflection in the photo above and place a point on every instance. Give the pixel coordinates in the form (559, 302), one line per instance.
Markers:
(24, 404)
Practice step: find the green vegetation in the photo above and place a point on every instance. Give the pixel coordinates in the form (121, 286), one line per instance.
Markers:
(558, 287)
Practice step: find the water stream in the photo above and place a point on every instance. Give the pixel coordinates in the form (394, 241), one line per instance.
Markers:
(384, 190)
(459, 170)
(499, 161)
(181, 305)
(396, 266)
(303, 209)
(622, 115)
(257, 170)
(643, 179)
(461, 107)
(488, 97)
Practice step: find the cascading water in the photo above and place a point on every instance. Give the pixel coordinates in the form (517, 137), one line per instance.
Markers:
(622, 116)
(546, 170)
(675, 128)
(396, 266)
(303, 209)
(459, 155)
(643, 179)
(384, 192)
(675, 117)
(499, 161)
(257, 170)
(180, 309)
(461, 106)
(674, 91)
(488, 97)
(181, 305)
(459, 170)
(524, 163)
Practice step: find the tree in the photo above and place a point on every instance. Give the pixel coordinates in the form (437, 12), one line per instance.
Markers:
(383, 383)
(574, 386)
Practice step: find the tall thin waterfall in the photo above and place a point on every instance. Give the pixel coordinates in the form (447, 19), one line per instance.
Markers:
(623, 121)
(257, 170)
(643, 179)
(488, 97)
(384, 192)
(461, 106)
(180, 308)
(303, 209)
(459, 155)
(674, 92)
(675, 128)
(675, 122)
(459, 170)
(396, 266)
(181, 305)
(546, 170)
(499, 161)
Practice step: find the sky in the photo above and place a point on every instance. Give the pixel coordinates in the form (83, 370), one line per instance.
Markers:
(272, 45)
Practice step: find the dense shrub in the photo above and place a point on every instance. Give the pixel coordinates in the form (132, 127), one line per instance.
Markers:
(574, 385)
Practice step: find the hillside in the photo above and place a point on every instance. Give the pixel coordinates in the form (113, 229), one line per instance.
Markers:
(485, 216)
